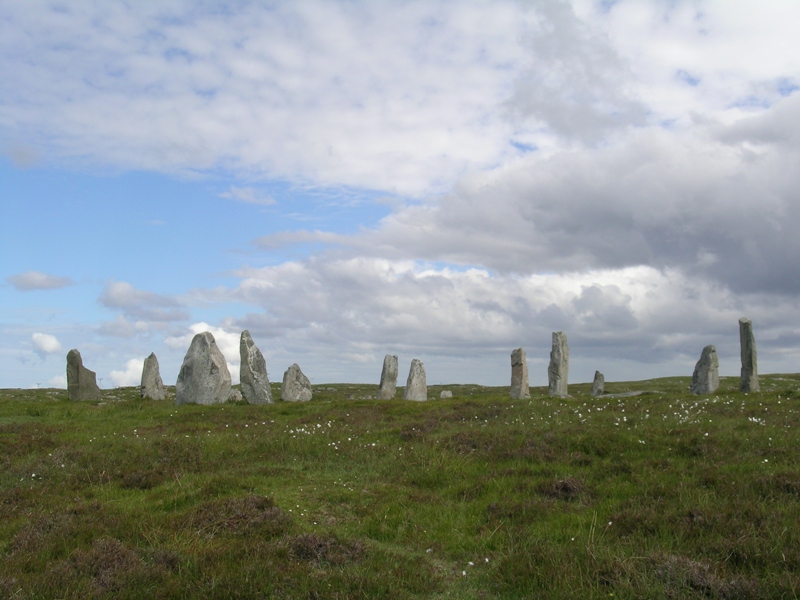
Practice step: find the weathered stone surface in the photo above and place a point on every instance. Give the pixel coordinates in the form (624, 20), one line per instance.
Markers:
(253, 372)
(747, 341)
(204, 377)
(296, 386)
(519, 375)
(236, 396)
(705, 378)
(558, 370)
(81, 382)
(446, 394)
(598, 385)
(152, 386)
(416, 386)
(388, 386)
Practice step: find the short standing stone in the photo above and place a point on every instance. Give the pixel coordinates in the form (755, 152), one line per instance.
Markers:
(296, 386)
(416, 386)
(81, 382)
(236, 396)
(446, 394)
(598, 385)
(747, 341)
(558, 370)
(253, 372)
(204, 377)
(705, 379)
(152, 386)
(519, 375)
(388, 386)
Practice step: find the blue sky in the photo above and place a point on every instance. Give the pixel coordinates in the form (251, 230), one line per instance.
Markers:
(438, 180)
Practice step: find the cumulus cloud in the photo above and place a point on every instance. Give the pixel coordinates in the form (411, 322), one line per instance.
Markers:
(139, 304)
(45, 344)
(122, 327)
(34, 280)
(131, 375)
(59, 381)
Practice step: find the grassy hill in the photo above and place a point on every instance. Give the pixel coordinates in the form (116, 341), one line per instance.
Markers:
(658, 495)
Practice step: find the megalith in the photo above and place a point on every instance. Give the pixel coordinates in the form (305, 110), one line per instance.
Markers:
(81, 382)
(204, 377)
(388, 386)
(296, 386)
(705, 379)
(558, 369)
(747, 342)
(416, 386)
(152, 386)
(446, 394)
(253, 372)
(598, 385)
(519, 375)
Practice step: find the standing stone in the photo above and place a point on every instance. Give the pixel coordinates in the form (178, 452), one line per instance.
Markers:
(204, 377)
(598, 385)
(519, 375)
(81, 382)
(388, 386)
(152, 386)
(747, 342)
(446, 394)
(253, 372)
(705, 379)
(296, 386)
(558, 370)
(416, 386)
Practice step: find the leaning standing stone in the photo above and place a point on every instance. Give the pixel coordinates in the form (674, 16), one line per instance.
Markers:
(558, 370)
(519, 375)
(416, 386)
(388, 386)
(253, 372)
(81, 382)
(152, 386)
(598, 385)
(204, 377)
(296, 386)
(747, 342)
(705, 379)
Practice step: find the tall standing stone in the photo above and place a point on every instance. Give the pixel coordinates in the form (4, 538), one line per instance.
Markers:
(204, 377)
(416, 386)
(388, 386)
(519, 375)
(81, 382)
(598, 385)
(152, 386)
(296, 387)
(558, 370)
(253, 372)
(747, 342)
(705, 379)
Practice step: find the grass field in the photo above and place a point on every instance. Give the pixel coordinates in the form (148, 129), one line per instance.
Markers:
(659, 495)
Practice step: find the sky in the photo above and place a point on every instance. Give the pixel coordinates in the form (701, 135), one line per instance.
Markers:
(440, 180)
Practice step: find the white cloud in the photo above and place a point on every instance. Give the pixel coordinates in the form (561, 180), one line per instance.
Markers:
(34, 280)
(140, 304)
(130, 376)
(248, 195)
(59, 381)
(122, 327)
(45, 344)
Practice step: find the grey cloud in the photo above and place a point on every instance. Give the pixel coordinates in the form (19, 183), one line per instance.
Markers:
(139, 304)
(34, 280)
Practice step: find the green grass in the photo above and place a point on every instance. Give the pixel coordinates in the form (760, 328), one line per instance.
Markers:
(660, 495)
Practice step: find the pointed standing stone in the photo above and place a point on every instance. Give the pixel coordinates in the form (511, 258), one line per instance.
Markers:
(416, 386)
(558, 370)
(598, 385)
(204, 377)
(296, 386)
(747, 342)
(152, 386)
(388, 386)
(705, 379)
(253, 372)
(519, 375)
(81, 382)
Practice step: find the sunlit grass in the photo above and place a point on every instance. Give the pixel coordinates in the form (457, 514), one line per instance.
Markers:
(661, 494)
